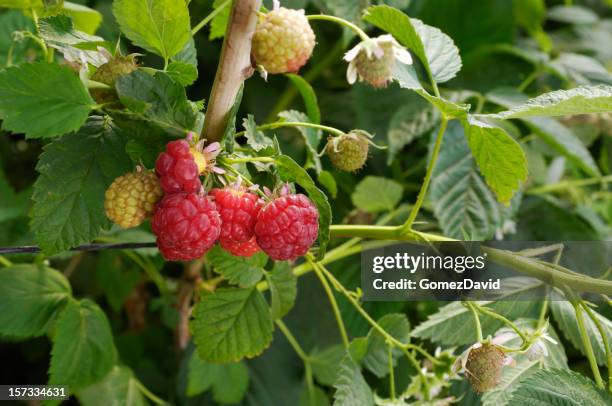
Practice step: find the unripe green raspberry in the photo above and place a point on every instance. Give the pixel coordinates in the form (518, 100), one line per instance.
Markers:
(108, 74)
(484, 367)
(348, 152)
(131, 198)
(283, 41)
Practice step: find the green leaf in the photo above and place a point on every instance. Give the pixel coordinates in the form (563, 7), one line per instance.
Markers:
(308, 95)
(119, 388)
(160, 26)
(572, 14)
(581, 100)
(116, 278)
(283, 289)
(375, 193)
(312, 138)
(229, 135)
(229, 382)
(75, 171)
(13, 205)
(462, 202)
(58, 31)
(559, 387)
(85, 19)
(218, 24)
(500, 158)
(325, 363)
(43, 100)
(351, 387)
(189, 54)
(530, 14)
(237, 270)
(559, 137)
(158, 99)
(436, 50)
(410, 122)
(10, 22)
(290, 171)
(454, 325)
(31, 297)
(83, 350)
(377, 358)
(318, 397)
(327, 180)
(256, 139)
(565, 316)
(231, 324)
(184, 73)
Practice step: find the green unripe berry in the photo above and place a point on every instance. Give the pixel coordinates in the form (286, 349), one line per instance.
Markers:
(348, 152)
(484, 367)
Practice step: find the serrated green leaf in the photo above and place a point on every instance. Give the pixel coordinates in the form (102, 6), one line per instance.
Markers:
(500, 158)
(75, 171)
(283, 289)
(119, 388)
(237, 270)
(559, 387)
(581, 100)
(351, 387)
(184, 73)
(158, 99)
(83, 350)
(407, 124)
(308, 95)
(325, 363)
(436, 50)
(375, 193)
(160, 26)
(290, 171)
(565, 316)
(218, 25)
(59, 31)
(377, 358)
(228, 382)
(256, 139)
(85, 19)
(231, 324)
(453, 324)
(31, 297)
(43, 100)
(189, 54)
(550, 131)
(311, 136)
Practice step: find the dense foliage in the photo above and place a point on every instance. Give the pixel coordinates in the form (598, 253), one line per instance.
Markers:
(496, 125)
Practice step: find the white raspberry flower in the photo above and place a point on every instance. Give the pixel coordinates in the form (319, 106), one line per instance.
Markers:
(373, 60)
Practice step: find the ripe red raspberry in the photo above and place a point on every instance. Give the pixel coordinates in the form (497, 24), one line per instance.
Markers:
(238, 209)
(283, 41)
(131, 198)
(186, 226)
(287, 227)
(177, 169)
(240, 249)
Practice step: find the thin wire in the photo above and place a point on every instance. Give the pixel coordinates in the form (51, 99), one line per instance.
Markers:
(33, 249)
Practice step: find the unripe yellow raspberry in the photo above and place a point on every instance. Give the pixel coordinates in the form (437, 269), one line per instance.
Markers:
(131, 198)
(283, 41)
(348, 152)
(484, 367)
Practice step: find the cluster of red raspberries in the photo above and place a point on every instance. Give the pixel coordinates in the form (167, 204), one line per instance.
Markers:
(188, 221)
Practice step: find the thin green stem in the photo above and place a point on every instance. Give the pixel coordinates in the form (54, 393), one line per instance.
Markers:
(281, 124)
(419, 370)
(391, 371)
(332, 300)
(337, 20)
(470, 306)
(529, 79)
(248, 159)
(499, 317)
(588, 348)
(5, 262)
(432, 163)
(310, 382)
(150, 270)
(292, 340)
(543, 310)
(564, 185)
(209, 17)
(145, 391)
(604, 338)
